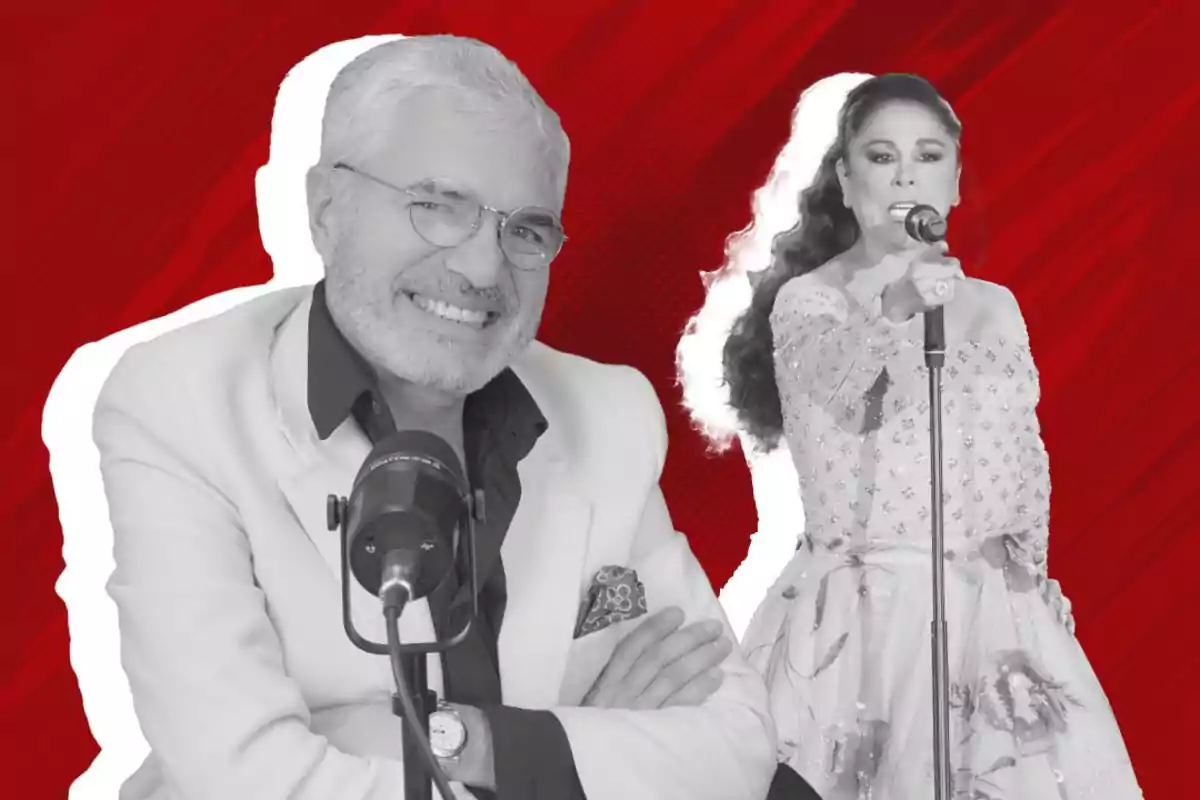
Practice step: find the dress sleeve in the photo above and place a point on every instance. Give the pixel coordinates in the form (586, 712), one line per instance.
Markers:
(1026, 536)
(1032, 520)
(834, 354)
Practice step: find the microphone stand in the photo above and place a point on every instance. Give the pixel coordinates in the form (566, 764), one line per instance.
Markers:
(935, 357)
(413, 701)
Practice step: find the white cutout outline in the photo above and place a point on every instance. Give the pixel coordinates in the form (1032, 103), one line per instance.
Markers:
(283, 226)
(773, 476)
(67, 418)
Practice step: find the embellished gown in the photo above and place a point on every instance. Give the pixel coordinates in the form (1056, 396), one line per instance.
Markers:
(843, 637)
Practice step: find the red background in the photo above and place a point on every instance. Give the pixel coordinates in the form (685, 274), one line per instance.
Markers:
(128, 193)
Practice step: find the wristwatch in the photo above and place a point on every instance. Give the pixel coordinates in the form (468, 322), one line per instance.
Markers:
(447, 733)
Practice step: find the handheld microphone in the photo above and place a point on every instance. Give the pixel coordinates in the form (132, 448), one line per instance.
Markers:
(403, 517)
(925, 224)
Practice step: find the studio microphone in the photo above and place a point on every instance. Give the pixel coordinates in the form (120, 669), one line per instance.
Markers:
(403, 517)
(925, 224)
(409, 517)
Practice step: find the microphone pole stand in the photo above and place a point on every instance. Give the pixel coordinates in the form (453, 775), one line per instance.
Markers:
(935, 358)
(411, 657)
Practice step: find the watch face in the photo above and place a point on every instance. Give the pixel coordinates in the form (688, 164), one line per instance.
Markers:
(447, 735)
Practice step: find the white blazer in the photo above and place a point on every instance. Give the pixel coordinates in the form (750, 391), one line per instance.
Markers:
(227, 579)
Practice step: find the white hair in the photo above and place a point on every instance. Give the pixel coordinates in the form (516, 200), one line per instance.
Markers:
(699, 357)
(382, 77)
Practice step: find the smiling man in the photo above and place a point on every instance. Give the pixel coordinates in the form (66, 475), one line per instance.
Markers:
(601, 665)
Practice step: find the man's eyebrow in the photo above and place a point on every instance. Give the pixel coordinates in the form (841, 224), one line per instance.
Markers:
(442, 189)
(539, 217)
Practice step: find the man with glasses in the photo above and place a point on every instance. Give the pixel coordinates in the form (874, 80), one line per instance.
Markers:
(600, 665)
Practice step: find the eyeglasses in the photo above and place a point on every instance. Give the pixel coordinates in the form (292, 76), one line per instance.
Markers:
(530, 237)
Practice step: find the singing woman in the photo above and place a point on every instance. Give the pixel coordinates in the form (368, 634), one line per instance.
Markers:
(827, 361)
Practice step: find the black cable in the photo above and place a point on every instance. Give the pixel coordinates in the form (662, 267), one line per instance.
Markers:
(416, 730)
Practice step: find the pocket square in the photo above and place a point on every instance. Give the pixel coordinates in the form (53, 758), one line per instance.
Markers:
(615, 595)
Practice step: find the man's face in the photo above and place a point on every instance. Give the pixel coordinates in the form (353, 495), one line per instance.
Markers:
(450, 318)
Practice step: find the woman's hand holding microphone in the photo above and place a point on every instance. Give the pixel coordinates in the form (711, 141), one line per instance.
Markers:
(926, 280)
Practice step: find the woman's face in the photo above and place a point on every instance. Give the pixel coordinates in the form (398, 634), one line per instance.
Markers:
(901, 157)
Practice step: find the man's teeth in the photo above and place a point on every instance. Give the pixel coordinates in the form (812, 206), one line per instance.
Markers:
(450, 312)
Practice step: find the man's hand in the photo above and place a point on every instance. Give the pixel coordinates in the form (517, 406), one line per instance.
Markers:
(660, 664)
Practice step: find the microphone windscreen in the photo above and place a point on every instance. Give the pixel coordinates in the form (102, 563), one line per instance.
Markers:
(409, 495)
(925, 224)
(414, 445)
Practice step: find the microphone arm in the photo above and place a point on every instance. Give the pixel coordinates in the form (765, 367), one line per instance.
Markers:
(925, 224)
(413, 702)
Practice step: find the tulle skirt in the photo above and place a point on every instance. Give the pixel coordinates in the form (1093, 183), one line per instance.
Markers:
(844, 643)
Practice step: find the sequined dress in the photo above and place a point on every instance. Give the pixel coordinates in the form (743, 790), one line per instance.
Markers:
(843, 637)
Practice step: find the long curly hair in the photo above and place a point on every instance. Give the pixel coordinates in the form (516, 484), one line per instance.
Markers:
(700, 370)
(826, 229)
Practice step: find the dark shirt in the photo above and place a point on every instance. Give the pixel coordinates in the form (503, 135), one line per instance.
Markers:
(501, 424)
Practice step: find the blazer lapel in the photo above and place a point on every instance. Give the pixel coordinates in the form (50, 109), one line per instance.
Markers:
(544, 553)
(317, 469)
